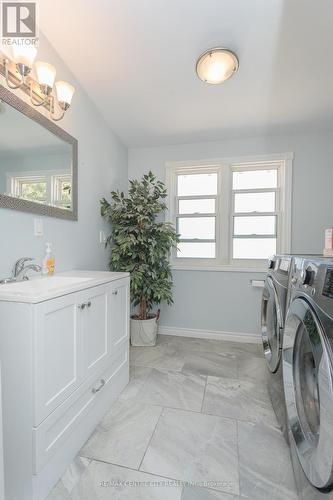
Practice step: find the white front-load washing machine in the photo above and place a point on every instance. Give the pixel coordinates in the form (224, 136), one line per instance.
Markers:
(308, 378)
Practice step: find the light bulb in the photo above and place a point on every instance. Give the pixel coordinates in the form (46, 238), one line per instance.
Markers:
(45, 74)
(65, 92)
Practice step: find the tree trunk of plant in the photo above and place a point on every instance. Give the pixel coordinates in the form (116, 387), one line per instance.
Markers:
(143, 308)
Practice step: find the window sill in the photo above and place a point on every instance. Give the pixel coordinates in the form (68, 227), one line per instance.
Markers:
(221, 268)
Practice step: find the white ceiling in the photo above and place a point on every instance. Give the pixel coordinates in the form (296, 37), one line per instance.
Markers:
(136, 59)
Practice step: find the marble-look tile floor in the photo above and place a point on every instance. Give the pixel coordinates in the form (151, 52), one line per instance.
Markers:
(194, 423)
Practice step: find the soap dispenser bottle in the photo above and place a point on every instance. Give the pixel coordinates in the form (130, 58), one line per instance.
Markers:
(48, 261)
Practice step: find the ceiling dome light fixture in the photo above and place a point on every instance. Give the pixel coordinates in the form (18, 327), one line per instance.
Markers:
(216, 65)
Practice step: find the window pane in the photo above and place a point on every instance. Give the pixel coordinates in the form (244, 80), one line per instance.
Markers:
(254, 225)
(197, 227)
(197, 206)
(34, 191)
(196, 250)
(255, 179)
(197, 184)
(255, 202)
(66, 189)
(253, 248)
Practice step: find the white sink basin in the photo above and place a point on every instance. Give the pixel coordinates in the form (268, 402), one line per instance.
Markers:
(40, 286)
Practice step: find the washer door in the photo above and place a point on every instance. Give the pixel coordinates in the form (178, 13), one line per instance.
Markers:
(271, 325)
(307, 378)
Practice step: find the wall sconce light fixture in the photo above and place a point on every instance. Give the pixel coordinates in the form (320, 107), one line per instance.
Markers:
(44, 91)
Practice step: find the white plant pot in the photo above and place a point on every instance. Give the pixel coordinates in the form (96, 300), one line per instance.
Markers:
(144, 332)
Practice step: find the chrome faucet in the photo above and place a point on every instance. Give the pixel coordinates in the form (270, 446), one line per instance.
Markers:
(22, 274)
(19, 265)
(19, 272)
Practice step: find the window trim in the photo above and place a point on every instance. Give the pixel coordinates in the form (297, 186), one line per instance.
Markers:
(224, 209)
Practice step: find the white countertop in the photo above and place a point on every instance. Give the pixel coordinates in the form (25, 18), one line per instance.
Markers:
(39, 289)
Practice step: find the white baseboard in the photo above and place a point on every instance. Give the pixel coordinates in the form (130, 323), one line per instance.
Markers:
(250, 338)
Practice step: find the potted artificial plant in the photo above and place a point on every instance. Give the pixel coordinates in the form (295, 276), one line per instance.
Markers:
(141, 245)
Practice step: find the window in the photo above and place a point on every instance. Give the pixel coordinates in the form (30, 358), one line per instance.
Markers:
(196, 214)
(32, 189)
(61, 190)
(230, 213)
(254, 215)
(53, 188)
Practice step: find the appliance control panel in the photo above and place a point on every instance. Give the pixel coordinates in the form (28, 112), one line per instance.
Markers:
(284, 266)
(328, 284)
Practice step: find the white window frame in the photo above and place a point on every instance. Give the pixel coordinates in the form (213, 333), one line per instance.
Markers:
(51, 177)
(56, 181)
(225, 207)
(14, 184)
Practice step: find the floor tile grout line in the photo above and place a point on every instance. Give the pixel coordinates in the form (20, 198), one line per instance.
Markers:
(180, 481)
(204, 395)
(199, 412)
(134, 470)
(150, 440)
(157, 368)
(254, 380)
(238, 461)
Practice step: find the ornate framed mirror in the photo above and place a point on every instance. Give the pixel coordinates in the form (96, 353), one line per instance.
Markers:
(38, 161)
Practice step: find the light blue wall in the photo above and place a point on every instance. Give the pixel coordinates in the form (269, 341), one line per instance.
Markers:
(102, 167)
(225, 301)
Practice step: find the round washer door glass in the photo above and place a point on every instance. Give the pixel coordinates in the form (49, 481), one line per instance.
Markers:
(307, 378)
(271, 325)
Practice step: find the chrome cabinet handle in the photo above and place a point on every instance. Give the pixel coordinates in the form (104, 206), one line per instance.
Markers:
(94, 391)
(115, 293)
(84, 305)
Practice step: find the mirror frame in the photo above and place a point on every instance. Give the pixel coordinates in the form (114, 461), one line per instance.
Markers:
(30, 206)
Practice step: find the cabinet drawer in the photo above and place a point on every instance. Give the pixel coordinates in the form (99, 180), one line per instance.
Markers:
(53, 434)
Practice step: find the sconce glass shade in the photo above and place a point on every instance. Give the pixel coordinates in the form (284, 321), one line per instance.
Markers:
(24, 55)
(65, 92)
(45, 74)
(216, 65)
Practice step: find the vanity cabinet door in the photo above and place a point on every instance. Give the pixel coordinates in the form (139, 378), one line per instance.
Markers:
(56, 353)
(95, 328)
(119, 312)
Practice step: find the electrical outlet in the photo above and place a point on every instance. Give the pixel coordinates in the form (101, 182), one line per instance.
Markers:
(102, 237)
(38, 227)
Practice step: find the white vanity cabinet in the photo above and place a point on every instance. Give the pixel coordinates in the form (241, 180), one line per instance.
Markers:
(65, 360)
